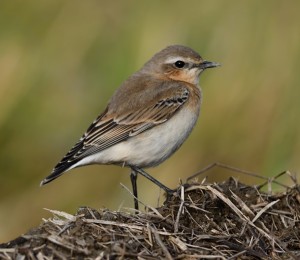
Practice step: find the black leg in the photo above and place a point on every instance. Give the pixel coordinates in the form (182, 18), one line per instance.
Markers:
(150, 178)
(133, 177)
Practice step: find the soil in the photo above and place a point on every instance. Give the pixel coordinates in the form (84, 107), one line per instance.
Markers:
(228, 220)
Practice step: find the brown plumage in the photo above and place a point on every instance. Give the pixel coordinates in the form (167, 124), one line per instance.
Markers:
(147, 119)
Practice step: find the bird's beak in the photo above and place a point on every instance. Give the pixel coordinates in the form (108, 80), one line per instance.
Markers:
(207, 64)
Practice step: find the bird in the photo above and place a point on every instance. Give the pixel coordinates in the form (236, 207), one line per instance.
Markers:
(146, 120)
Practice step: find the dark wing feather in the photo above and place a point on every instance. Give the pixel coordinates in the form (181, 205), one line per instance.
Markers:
(104, 133)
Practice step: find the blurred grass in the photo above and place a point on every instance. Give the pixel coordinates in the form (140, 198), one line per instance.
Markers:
(60, 61)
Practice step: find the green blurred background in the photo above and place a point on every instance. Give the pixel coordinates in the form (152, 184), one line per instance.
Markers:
(60, 61)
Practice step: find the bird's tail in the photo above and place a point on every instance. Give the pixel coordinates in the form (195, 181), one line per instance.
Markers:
(59, 170)
(67, 163)
(51, 177)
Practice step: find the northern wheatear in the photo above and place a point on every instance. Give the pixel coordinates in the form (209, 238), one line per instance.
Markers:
(147, 119)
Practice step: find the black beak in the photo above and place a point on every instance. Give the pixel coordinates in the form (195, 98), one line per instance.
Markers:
(208, 64)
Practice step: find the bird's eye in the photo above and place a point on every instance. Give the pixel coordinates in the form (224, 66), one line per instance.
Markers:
(179, 64)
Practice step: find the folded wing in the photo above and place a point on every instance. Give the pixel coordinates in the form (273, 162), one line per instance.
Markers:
(108, 130)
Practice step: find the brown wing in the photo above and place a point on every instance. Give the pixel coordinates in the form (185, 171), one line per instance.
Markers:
(107, 131)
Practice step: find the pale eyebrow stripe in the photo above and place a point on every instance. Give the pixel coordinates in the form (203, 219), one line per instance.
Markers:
(173, 59)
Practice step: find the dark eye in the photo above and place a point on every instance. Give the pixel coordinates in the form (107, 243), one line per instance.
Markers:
(179, 64)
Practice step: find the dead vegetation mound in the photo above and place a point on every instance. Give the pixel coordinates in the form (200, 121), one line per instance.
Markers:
(228, 220)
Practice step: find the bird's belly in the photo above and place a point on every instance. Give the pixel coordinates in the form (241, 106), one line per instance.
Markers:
(160, 142)
(151, 147)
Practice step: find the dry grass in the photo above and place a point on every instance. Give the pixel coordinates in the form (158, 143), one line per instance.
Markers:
(226, 220)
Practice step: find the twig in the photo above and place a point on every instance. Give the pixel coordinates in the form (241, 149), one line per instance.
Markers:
(161, 244)
(264, 209)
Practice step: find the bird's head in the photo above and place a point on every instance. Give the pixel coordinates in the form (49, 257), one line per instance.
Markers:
(178, 63)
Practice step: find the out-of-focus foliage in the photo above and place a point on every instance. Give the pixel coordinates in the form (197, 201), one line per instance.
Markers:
(60, 61)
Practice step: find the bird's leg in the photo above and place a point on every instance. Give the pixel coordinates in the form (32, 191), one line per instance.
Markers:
(150, 178)
(133, 177)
